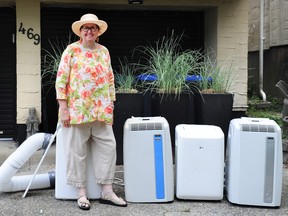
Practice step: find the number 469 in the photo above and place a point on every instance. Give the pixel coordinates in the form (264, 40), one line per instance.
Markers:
(30, 35)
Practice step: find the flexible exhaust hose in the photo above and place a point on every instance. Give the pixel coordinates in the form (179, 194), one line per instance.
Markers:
(11, 183)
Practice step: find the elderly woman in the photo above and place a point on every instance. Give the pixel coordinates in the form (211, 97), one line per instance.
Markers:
(86, 94)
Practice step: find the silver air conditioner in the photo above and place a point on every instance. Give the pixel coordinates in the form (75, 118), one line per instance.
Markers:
(253, 172)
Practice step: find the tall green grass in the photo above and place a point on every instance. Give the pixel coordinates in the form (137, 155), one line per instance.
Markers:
(125, 77)
(216, 77)
(169, 63)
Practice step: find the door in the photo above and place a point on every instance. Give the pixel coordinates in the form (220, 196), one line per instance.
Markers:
(7, 73)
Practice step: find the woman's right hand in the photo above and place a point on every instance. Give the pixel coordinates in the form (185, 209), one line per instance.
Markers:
(64, 113)
(64, 116)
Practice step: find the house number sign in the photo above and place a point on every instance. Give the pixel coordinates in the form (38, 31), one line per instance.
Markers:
(30, 34)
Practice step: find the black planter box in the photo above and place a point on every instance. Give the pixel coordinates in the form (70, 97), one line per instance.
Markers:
(176, 110)
(214, 109)
(49, 113)
(126, 106)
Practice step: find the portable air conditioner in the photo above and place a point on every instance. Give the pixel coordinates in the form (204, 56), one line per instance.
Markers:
(253, 172)
(148, 165)
(199, 162)
(64, 191)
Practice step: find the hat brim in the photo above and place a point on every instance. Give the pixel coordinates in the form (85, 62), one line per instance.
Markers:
(77, 25)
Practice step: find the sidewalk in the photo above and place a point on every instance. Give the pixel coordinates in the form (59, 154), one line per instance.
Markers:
(43, 202)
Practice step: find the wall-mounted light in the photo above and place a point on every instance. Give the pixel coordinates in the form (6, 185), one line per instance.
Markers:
(135, 1)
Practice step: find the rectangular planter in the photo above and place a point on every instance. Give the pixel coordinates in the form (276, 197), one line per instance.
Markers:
(126, 106)
(176, 110)
(214, 109)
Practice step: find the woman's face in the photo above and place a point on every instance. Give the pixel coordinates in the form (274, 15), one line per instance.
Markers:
(89, 32)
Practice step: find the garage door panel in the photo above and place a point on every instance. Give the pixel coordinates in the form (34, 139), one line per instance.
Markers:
(7, 74)
(126, 29)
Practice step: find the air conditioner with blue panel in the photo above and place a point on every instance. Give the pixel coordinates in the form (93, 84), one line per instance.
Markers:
(148, 165)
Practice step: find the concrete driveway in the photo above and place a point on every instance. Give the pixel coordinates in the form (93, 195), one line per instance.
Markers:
(43, 202)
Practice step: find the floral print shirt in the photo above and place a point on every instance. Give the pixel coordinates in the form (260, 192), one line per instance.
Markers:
(85, 79)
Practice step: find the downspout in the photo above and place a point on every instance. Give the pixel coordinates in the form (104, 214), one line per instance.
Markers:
(261, 40)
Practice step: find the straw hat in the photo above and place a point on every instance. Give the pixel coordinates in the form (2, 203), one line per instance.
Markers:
(89, 18)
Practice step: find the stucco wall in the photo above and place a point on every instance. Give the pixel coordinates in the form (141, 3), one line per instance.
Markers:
(228, 37)
(232, 45)
(28, 59)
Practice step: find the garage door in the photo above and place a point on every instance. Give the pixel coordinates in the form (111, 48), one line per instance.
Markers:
(7, 74)
(126, 29)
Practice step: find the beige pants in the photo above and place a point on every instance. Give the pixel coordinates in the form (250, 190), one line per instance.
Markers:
(102, 143)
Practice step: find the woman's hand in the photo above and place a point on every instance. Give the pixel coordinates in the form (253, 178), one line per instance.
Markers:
(64, 113)
(64, 117)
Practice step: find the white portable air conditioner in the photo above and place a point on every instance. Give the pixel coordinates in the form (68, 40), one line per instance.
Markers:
(253, 172)
(64, 191)
(148, 165)
(199, 162)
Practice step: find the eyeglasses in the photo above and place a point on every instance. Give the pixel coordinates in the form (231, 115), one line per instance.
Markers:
(92, 28)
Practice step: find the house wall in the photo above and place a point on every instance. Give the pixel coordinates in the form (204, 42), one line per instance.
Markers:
(232, 45)
(226, 32)
(275, 24)
(28, 59)
(275, 41)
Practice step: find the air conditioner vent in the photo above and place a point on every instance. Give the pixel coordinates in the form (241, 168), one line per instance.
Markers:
(258, 128)
(146, 126)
